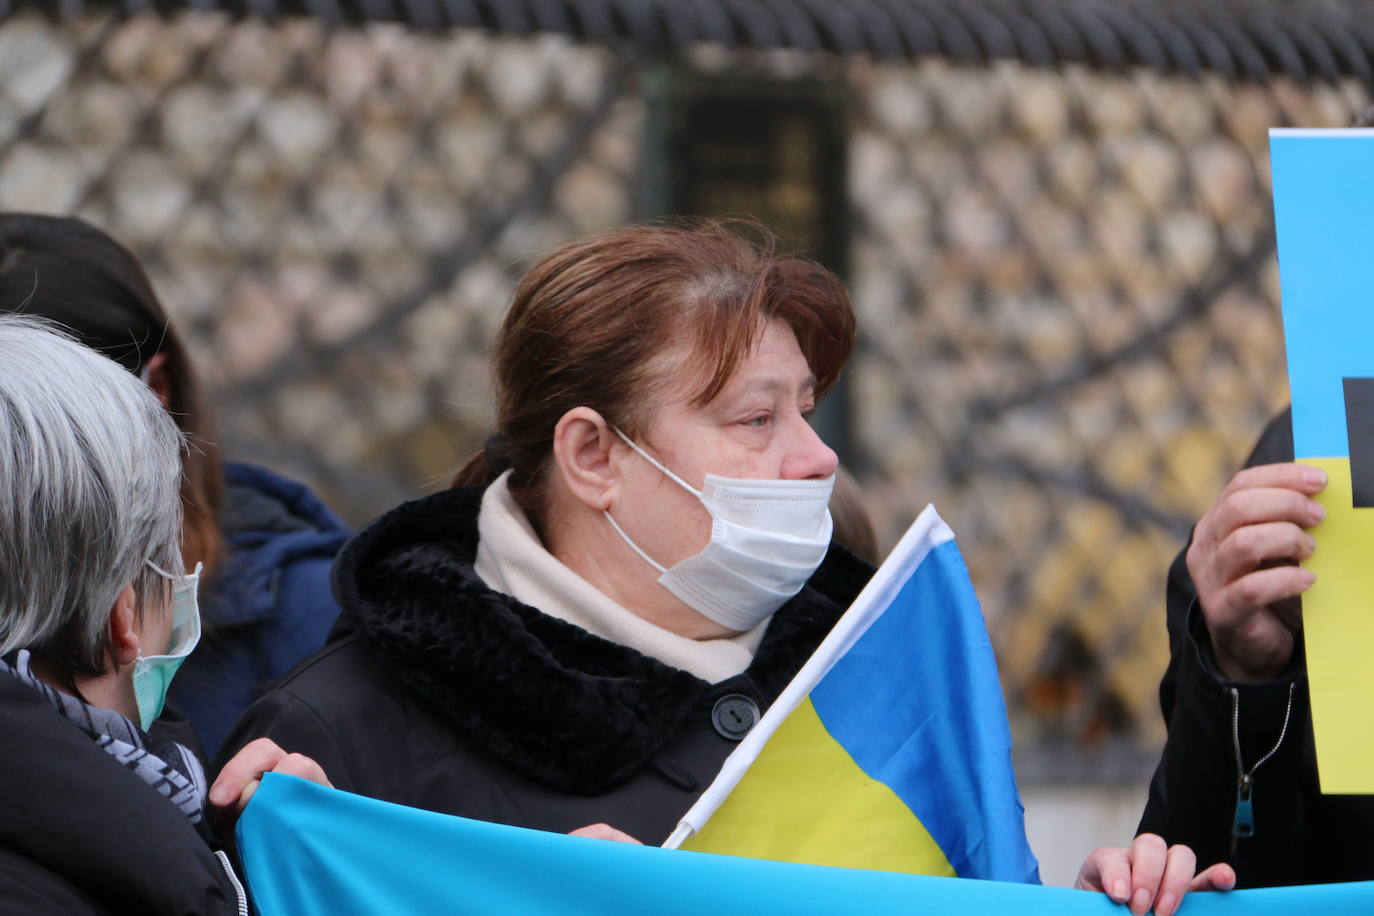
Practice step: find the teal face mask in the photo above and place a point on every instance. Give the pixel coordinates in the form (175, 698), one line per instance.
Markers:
(153, 674)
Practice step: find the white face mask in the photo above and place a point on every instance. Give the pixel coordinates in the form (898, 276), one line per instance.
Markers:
(767, 538)
(153, 673)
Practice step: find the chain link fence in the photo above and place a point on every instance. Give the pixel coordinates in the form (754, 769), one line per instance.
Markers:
(1066, 281)
(1080, 272)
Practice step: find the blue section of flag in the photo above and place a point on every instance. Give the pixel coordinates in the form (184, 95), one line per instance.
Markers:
(1324, 219)
(917, 704)
(311, 851)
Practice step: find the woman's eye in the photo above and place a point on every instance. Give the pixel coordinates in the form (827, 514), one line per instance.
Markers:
(759, 422)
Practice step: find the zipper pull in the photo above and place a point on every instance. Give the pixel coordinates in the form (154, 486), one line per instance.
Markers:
(1243, 827)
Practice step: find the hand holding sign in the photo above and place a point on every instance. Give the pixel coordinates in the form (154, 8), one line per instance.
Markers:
(1242, 561)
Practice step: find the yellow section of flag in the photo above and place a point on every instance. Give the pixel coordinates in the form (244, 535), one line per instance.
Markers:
(1339, 634)
(860, 822)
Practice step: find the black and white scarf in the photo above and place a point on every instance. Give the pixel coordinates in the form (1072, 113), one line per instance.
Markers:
(173, 771)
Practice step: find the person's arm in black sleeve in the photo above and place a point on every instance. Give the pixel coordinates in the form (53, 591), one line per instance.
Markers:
(296, 728)
(1275, 445)
(1193, 796)
(342, 710)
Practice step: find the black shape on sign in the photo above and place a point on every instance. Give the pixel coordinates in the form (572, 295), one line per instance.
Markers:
(1359, 431)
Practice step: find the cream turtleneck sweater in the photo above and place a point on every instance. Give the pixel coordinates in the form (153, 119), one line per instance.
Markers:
(511, 559)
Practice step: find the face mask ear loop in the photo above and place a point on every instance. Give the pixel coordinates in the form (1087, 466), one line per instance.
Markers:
(166, 575)
(621, 531)
(160, 571)
(654, 461)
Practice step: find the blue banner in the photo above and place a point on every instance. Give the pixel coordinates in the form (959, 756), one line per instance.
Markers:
(311, 851)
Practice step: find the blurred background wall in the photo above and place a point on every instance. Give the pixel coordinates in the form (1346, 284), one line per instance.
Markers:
(1054, 217)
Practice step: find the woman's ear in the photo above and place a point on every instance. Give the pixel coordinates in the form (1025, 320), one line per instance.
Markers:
(582, 443)
(124, 640)
(159, 379)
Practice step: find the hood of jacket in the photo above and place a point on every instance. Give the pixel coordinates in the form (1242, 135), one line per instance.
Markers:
(576, 711)
(269, 522)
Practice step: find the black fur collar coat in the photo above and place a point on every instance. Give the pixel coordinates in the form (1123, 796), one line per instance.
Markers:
(441, 693)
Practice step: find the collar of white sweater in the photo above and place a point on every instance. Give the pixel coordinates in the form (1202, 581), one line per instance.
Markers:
(511, 559)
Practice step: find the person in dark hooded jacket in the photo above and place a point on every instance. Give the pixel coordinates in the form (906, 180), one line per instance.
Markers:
(266, 543)
(1238, 777)
(1235, 693)
(104, 812)
(576, 635)
(269, 603)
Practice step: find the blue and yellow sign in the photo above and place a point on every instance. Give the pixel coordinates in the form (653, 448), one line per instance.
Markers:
(1324, 217)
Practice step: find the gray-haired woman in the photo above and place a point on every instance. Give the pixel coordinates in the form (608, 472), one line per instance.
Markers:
(101, 814)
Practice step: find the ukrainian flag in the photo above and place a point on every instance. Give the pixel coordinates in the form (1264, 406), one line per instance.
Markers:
(890, 749)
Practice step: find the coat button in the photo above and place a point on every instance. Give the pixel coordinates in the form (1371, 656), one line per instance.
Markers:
(734, 714)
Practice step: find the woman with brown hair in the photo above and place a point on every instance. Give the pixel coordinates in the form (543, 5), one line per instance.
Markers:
(586, 624)
(546, 643)
(266, 543)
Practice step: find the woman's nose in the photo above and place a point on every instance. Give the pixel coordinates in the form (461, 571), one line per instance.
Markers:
(808, 458)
